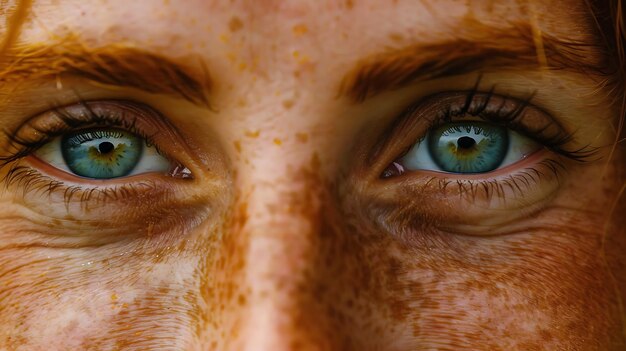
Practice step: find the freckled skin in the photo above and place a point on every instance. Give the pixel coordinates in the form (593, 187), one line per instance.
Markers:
(282, 241)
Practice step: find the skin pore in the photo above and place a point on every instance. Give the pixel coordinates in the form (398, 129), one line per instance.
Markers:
(287, 237)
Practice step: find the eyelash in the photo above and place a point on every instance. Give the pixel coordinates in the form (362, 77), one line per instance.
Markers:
(72, 123)
(478, 104)
(555, 143)
(510, 120)
(32, 180)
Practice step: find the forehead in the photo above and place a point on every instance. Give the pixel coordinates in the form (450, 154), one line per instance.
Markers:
(207, 26)
(302, 44)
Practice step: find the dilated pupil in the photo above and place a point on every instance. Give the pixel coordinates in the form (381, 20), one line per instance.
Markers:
(106, 147)
(465, 142)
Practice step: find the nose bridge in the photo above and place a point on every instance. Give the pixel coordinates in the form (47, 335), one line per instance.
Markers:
(282, 243)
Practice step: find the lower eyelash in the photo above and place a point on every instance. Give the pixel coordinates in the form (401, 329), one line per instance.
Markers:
(518, 183)
(32, 181)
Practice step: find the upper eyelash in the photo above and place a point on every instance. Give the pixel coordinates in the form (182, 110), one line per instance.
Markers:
(511, 120)
(555, 143)
(26, 147)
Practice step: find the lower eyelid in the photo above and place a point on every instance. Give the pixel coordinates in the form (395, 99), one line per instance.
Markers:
(466, 205)
(61, 175)
(524, 163)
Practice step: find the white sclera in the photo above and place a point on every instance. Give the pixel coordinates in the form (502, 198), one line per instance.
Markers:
(419, 157)
(150, 160)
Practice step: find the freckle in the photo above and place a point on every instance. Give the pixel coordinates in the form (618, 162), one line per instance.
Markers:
(242, 66)
(237, 145)
(242, 102)
(349, 4)
(235, 24)
(302, 137)
(253, 134)
(231, 57)
(288, 104)
(224, 38)
(300, 57)
(299, 29)
(113, 297)
(278, 142)
(397, 37)
(241, 300)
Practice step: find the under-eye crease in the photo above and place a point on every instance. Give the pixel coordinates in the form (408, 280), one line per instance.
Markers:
(132, 130)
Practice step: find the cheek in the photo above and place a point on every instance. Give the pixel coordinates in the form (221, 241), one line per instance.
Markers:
(535, 290)
(77, 307)
(100, 297)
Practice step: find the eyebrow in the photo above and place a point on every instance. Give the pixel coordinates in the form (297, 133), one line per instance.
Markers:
(487, 49)
(114, 64)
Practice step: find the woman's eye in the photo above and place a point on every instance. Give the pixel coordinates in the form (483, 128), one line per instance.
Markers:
(468, 147)
(103, 153)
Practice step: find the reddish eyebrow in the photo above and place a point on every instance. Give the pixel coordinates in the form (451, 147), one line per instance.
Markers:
(114, 64)
(487, 49)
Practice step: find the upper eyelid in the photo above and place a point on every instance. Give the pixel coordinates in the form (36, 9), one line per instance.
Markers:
(427, 112)
(40, 129)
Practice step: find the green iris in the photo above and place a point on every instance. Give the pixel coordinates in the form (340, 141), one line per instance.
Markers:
(101, 153)
(468, 147)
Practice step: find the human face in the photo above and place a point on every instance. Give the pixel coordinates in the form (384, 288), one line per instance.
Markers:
(287, 207)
